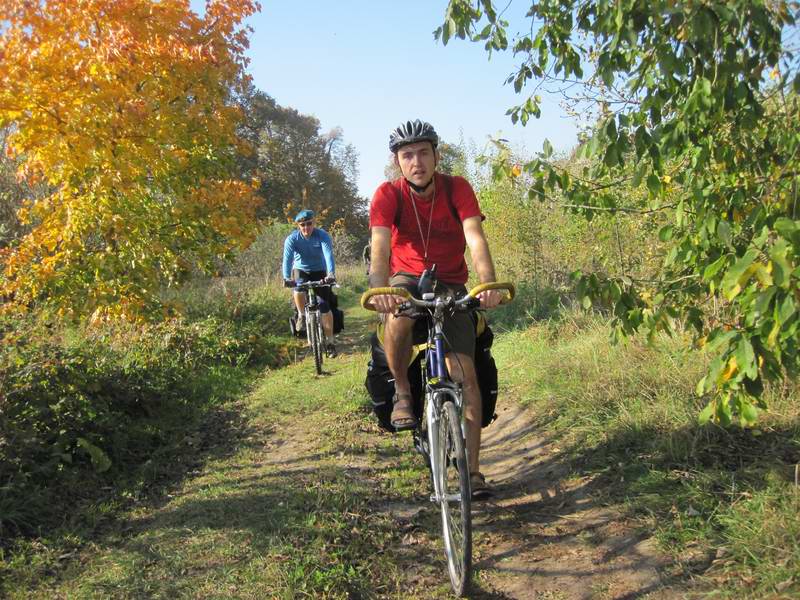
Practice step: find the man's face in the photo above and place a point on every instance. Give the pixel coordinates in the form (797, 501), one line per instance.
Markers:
(417, 162)
(306, 227)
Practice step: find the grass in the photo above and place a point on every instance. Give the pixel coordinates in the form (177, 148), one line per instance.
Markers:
(723, 502)
(282, 496)
(288, 489)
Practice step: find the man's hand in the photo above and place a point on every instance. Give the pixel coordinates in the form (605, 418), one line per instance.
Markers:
(288, 283)
(330, 279)
(386, 303)
(490, 298)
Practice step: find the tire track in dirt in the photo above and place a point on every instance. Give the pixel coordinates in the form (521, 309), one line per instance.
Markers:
(544, 534)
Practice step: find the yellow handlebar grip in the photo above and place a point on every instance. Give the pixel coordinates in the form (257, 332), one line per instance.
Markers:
(383, 291)
(496, 285)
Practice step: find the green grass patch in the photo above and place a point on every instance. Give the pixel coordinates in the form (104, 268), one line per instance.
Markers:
(626, 415)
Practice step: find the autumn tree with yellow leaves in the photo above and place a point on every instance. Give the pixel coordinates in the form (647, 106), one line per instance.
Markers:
(126, 110)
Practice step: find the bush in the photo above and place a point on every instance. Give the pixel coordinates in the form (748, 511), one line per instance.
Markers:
(261, 260)
(79, 402)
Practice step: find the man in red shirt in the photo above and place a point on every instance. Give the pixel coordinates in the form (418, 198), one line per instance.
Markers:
(423, 219)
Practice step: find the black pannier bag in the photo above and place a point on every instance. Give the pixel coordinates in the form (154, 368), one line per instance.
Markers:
(380, 384)
(338, 320)
(486, 370)
(338, 315)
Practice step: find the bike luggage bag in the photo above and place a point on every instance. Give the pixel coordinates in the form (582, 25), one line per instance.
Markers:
(380, 384)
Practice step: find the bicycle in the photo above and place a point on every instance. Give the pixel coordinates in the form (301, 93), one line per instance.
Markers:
(440, 436)
(314, 330)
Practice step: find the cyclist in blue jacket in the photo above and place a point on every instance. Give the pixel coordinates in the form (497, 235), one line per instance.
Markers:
(308, 256)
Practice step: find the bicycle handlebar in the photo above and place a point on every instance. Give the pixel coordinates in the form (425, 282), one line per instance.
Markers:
(463, 302)
(314, 284)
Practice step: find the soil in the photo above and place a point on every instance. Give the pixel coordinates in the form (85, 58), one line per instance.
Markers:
(546, 533)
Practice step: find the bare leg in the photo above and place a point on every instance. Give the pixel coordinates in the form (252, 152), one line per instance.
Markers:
(473, 407)
(397, 345)
(327, 326)
(300, 302)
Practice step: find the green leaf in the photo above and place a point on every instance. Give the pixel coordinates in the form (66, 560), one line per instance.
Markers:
(714, 268)
(611, 129)
(547, 148)
(653, 184)
(611, 158)
(761, 305)
(786, 310)
(723, 412)
(786, 227)
(639, 175)
(719, 340)
(747, 412)
(665, 233)
(700, 389)
(736, 276)
(724, 233)
(746, 358)
(100, 459)
(706, 414)
(781, 270)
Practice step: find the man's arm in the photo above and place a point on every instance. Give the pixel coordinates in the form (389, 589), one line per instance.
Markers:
(380, 252)
(327, 254)
(481, 260)
(479, 250)
(288, 258)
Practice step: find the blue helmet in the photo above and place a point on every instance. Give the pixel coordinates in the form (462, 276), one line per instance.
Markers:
(304, 215)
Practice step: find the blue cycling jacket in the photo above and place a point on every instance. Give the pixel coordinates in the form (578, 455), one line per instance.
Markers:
(312, 254)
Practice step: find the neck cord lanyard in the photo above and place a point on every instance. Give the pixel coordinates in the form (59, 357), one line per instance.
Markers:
(427, 238)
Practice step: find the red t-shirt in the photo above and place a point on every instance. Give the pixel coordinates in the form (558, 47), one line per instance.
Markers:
(446, 244)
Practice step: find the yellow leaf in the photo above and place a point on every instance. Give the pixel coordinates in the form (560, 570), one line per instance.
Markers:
(732, 367)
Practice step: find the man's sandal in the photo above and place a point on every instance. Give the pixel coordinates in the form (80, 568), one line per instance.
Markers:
(403, 412)
(480, 489)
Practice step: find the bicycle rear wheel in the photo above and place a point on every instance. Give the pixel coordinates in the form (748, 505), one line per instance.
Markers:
(455, 498)
(313, 328)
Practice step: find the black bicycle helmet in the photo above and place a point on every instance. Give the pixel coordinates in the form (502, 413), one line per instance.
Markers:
(412, 132)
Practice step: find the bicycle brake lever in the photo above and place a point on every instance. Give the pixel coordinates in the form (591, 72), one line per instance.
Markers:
(401, 308)
(472, 303)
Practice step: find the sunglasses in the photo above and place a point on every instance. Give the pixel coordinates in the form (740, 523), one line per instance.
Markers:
(304, 223)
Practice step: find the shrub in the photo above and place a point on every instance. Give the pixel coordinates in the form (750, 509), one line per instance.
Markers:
(80, 402)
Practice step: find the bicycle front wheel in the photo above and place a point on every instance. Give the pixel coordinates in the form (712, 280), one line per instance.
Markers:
(313, 328)
(455, 498)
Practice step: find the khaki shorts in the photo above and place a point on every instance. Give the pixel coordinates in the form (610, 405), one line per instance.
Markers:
(459, 328)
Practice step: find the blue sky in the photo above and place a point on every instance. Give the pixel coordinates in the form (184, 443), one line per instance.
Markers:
(367, 66)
